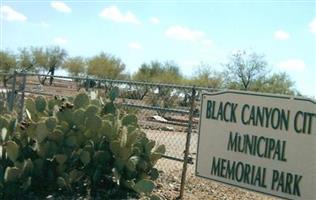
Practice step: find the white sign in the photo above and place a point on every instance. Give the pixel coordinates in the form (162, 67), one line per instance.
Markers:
(261, 142)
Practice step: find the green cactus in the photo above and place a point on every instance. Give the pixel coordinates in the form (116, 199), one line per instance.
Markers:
(144, 186)
(51, 123)
(41, 131)
(91, 110)
(114, 93)
(12, 174)
(61, 144)
(60, 158)
(40, 104)
(30, 105)
(93, 123)
(129, 120)
(79, 117)
(109, 108)
(85, 157)
(81, 100)
(12, 150)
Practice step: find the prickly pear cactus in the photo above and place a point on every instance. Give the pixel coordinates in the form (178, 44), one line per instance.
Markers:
(65, 142)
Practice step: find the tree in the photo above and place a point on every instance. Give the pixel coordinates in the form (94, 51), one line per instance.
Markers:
(155, 71)
(7, 64)
(49, 59)
(25, 60)
(7, 61)
(75, 66)
(243, 69)
(279, 83)
(206, 77)
(105, 66)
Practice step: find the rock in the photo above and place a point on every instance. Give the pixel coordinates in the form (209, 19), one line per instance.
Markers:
(158, 118)
(168, 128)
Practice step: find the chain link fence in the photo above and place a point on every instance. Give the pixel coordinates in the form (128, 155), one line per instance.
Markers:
(167, 113)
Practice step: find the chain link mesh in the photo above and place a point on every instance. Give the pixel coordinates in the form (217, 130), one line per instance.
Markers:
(163, 114)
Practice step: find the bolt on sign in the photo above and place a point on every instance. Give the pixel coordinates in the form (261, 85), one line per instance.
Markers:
(261, 142)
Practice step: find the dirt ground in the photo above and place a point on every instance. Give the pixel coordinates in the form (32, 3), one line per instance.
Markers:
(198, 188)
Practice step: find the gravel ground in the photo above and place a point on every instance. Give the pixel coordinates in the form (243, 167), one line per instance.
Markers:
(197, 188)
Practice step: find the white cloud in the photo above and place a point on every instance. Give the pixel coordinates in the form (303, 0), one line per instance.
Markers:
(60, 6)
(183, 33)
(44, 24)
(134, 45)
(60, 40)
(292, 65)
(10, 14)
(154, 20)
(281, 35)
(114, 14)
(312, 26)
(186, 34)
(207, 43)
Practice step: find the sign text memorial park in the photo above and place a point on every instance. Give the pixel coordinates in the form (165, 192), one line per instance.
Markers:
(261, 142)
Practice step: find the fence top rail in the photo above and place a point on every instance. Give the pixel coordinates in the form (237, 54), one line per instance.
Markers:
(129, 82)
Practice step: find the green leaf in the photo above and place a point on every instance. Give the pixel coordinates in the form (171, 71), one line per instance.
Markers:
(12, 150)
(144, 186)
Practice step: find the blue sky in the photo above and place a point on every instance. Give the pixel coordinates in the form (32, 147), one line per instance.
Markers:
(187, 32)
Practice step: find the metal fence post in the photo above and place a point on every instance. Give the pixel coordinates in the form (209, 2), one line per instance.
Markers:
(21, 115)
(187, 144)
(12, 94)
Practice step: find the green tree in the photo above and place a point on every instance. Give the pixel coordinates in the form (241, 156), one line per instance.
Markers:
(8, 63)
(206, 77)
(25, 60)
(105, 66)
(75, 66)
(155, 71)
(243, 69)
(279, 83)
(50, 58)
